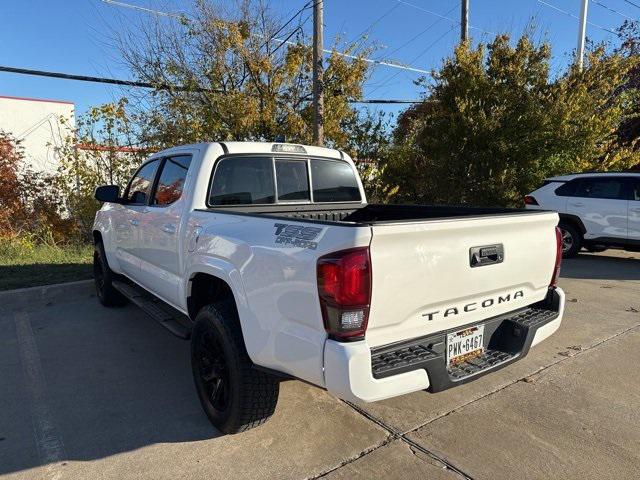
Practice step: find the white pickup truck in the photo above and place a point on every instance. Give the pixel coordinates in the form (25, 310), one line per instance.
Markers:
(269, 258)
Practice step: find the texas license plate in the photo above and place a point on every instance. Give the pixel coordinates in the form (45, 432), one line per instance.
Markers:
(465, 344)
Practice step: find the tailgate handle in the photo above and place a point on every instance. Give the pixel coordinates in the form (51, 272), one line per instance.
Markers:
(486, 255)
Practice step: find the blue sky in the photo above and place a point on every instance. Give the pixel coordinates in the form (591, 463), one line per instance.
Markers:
(74, 36)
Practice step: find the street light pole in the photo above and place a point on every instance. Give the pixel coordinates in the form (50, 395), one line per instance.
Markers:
(582, 30)
(318, 100)
(464, 20)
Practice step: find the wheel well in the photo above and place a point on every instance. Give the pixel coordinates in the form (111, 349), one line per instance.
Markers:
(206, 289)
(574, 222)
(97, 237)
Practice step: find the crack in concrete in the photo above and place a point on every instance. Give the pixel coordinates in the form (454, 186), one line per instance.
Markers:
(537, 372)
(394, 434)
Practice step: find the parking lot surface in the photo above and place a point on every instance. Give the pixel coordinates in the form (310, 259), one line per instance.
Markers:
(89, 392)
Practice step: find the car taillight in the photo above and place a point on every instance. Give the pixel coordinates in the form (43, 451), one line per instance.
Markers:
(556, 268)
(344, 288)
(529, 200)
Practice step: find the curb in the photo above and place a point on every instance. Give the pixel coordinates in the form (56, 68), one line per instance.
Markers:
(44, 294)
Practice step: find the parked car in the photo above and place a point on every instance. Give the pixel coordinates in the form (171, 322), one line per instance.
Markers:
(269, 257)
(597, 210)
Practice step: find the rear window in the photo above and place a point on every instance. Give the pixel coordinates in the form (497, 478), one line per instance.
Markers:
(567, 189)
(243, 181)
(292, 180)
(250, 181)
(333, 182)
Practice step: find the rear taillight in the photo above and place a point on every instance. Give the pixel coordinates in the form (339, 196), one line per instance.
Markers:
(529, 200)
(556, 268)
(344, 287)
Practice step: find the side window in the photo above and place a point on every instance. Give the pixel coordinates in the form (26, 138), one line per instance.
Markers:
(635, 188)
(611, 188)
(243, 181)
(140, 185)
(333, 181)
(292, 180)
(567, 189)
(171, 180)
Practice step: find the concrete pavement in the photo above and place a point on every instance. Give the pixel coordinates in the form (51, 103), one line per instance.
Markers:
(89, 392)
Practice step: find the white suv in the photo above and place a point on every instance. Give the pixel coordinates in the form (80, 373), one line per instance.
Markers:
(597, 210)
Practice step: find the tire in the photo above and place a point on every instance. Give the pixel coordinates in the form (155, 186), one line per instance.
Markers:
(234, 395)
(103, 276)
(571, 240)
(596, 248)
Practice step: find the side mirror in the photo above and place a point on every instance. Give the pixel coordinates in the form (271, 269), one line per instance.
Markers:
(108, 193)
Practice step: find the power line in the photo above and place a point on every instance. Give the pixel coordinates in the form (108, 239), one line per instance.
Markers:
(631, 3)
(130, 83)
(431, 45)
(143, 9)
(280, 41)
(606, 7)
(453, 20)
(576, 17)
(422, 32)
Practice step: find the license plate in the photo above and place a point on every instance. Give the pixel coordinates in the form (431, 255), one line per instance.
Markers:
(464, 344)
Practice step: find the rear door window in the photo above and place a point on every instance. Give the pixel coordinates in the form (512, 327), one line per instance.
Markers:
(334, 181)
(171, 181)
(243, 181)
(292, 180)
(612, 188)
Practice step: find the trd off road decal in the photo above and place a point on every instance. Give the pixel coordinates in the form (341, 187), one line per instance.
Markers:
(296, 235)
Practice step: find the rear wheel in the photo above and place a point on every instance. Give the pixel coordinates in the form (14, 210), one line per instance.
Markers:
(571, 240)
(234, 395)
(103, 276)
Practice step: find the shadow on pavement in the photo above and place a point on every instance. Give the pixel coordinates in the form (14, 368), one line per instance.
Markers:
(114, 381)
(602, 267)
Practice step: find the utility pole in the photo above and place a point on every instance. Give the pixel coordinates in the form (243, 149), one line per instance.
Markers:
(582, 30)
(318, 100)
(464, 20)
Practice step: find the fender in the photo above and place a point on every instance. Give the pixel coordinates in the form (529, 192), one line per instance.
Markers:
(226, 271)
(573, 219)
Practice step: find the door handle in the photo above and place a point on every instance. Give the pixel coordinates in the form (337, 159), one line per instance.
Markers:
(577, 204)
(169, 228)
(135, 222)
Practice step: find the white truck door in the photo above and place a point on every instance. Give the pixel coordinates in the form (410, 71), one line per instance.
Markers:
(129, 219)
(634, 213)
(159, 244)
(601, 203)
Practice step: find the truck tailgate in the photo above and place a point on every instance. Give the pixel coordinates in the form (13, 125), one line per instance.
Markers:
(424, 281)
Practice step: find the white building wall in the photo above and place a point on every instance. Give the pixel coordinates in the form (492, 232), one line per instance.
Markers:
(37, 124)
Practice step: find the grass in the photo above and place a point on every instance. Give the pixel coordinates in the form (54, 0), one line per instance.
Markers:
(23, 264)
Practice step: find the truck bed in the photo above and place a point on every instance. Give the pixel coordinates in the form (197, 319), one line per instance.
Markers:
(370, 214)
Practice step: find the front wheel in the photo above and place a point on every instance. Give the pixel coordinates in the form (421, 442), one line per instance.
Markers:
(103, 276)
(234, 395)
(571, 240)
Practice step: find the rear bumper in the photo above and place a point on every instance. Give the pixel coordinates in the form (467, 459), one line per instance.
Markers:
(355, 372)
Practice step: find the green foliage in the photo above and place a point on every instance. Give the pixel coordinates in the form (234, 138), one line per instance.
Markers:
(219, 77)
(25, 262)
(495, 124)
(99, 150)
(30, 206)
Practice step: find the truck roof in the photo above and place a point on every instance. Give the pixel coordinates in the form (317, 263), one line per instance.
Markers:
(265, 147)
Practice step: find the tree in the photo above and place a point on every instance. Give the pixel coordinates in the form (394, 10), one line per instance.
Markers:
(100, 149)
(30, 207)
(494, 124)
(226, 74)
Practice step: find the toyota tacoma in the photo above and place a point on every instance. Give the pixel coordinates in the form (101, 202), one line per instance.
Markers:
(269, 258)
